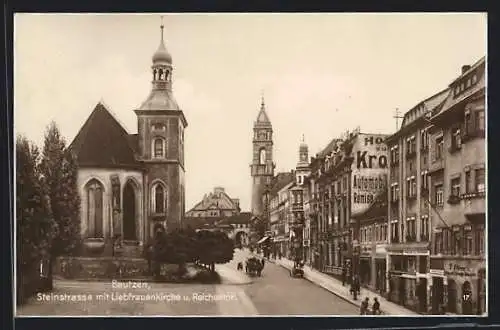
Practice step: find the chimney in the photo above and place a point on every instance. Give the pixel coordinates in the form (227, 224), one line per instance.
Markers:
(465, 68)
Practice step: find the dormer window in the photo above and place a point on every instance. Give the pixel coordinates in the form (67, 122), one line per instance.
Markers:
(159, 147)
(474, 78)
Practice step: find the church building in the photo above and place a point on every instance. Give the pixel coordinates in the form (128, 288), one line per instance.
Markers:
(130, 184)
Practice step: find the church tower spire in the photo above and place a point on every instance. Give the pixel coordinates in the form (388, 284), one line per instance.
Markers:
(262, 166)
(162, 65)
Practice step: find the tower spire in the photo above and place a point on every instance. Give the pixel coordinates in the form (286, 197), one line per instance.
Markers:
(161, 27)
(262, 102)
(303, 138)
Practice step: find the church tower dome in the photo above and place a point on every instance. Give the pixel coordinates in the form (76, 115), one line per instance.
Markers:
(161, 54)
(161, 96)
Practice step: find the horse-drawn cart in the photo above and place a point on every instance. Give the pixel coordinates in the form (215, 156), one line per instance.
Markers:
(254, 266)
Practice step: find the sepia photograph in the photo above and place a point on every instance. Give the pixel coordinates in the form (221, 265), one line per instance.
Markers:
(250, 165)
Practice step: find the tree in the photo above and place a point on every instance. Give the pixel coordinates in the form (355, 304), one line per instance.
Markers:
(60, 173)
(175, 247)
(35, 225)
(214, 247)
(259, 227)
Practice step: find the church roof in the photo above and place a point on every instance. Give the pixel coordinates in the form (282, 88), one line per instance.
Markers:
(160, 99)
(215, 200)
(103, 142)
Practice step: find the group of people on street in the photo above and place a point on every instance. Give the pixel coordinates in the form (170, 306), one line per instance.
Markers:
(365, 309)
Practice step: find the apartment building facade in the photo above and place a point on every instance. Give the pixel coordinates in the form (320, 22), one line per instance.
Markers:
(458, 191)
(408, 213)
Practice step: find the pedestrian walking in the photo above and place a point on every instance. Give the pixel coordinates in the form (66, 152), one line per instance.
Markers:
(364, 306)
(344, 275)
(376, 307)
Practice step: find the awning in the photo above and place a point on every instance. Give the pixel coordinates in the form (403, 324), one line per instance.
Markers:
(263, 239)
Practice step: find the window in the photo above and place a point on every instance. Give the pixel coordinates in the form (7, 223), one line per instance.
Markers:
(438, 198)
(394, 232)
(424, 228)
(411, 187)
(424, 180)
(479, 240)
(262, 156)
(424, 140)
(455, 243)
(395, 192)
(394, 155)
(438, 243)
(411, 145)
(468, 182)
(158, 198)
(468, 247)
(159, 148)
(411, 230)
(456, 139)
(468, 123)
(438, 155)
(480, 120)
(455, 187)
(474, 79)
(95, 210)
(480, 180)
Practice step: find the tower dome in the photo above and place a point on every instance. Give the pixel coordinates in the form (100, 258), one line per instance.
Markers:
(161, 54)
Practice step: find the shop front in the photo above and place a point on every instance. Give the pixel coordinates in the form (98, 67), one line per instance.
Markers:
(466, 286)
(408, 275)
(365, 267)
(458, 286)
(380, 265)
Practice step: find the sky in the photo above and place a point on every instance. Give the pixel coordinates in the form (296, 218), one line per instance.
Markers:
(320, 74)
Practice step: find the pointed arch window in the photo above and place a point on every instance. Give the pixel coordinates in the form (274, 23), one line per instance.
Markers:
(94, 193)
(158, 198)
(159, 147)
(262, 156)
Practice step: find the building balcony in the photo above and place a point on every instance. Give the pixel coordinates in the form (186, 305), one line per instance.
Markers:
(436, 165)
(474, 203)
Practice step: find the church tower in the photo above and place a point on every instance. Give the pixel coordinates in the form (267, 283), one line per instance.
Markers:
(302, 169)
(161, 124)
(262, 167)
